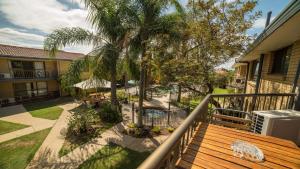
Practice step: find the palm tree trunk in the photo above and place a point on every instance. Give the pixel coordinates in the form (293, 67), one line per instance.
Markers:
(141, 88)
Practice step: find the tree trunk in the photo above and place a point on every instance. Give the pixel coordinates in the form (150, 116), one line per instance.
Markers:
(145, 82)
(179, 93)
(141, 88)
(113, 85)
(125, 82)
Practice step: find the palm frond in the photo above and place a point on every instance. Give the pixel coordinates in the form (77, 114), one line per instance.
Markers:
(67, 36)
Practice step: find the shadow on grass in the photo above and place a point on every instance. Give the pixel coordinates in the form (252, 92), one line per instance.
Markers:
(32, 106)
(114, 156)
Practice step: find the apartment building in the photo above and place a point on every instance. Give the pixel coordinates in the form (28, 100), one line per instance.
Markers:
(28, 73)
(271, 64)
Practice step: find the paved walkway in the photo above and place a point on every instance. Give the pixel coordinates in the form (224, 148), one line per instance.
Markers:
(55, 139)
(46, 159)
(18, 114)
(47, 156)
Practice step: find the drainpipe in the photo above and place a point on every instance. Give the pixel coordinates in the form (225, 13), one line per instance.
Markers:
(261, 60)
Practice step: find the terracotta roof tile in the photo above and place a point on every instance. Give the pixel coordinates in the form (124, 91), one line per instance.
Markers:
(25, 52)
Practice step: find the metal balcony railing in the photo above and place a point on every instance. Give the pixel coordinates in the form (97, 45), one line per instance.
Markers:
(29, 74)
(212, 107)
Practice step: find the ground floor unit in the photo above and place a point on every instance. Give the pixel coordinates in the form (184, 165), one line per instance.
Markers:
(12, 92)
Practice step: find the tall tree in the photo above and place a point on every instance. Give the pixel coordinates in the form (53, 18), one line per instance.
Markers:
(150, 20)
(216, 33)
(108, 18)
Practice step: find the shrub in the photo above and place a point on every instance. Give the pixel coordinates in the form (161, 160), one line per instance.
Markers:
(170, 129)
(141, 132)
(131, 125)
(156, 129)
(80, 123)
(110, 113)
(121, 95)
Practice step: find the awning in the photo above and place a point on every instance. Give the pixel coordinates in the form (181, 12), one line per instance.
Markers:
(93, 84)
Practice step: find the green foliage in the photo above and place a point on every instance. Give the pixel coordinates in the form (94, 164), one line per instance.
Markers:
(170, 129)
(110, 113)
(156, 129)
(81, 123)
(132, 125)
(121, 94)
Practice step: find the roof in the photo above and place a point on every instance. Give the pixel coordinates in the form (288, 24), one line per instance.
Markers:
(9, 51)
(284, 16)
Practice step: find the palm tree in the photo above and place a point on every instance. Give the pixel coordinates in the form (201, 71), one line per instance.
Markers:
(107, 18)
(151, 19)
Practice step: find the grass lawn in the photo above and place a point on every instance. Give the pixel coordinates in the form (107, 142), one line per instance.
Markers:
(115, 157)
(223, 91)
(6, 127)
(17, 153)
(46, 109)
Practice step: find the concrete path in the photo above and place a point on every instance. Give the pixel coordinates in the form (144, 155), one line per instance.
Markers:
(47, 156)
(18, 114)
(79, 155)
(55, 139)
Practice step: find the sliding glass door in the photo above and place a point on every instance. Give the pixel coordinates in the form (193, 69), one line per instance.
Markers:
(30, 89)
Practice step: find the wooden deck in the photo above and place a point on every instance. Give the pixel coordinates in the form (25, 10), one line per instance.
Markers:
(211, 148)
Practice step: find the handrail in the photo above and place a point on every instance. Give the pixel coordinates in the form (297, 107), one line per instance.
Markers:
(253, 94)
(155, 159)
(168, 153)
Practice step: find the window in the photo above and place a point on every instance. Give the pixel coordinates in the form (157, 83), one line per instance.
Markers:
(254, 70)
(281, 60)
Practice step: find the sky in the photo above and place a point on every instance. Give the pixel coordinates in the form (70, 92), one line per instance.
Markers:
(27, 22)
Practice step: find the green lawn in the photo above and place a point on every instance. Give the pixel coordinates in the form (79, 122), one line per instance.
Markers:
(115, 157)
(46, 109)
(223, 91)
(17, 153)
(6, 127)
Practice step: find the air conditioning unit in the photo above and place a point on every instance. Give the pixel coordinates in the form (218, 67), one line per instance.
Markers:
(4, 75)
(283, 124)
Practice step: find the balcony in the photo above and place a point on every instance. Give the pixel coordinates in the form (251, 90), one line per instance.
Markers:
(204, 139)
(21, 74)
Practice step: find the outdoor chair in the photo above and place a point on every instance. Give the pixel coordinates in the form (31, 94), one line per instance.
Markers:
(231, 118)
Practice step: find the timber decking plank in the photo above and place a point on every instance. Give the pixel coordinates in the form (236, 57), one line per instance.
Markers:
(279, 141)
(210, 148)
(183, 165)
(200, 162)
(229, 140)
(269, 161)
(276, 147)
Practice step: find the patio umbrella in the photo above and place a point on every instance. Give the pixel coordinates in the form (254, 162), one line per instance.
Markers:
(93, 84)
(132, 82)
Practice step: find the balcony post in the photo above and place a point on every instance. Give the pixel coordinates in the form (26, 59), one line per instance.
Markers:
(261, 60)
(246, 80)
